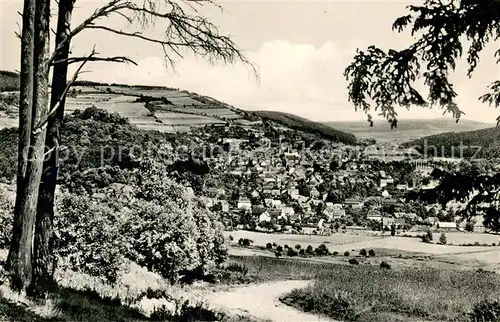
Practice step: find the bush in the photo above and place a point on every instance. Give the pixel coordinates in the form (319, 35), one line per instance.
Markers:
(485, 311)
(346, 254)
(87, 237)
(302, 252)
(279, 248)
(371, 253)
(291, 252)
(173, 241)
(339, 305)
(6, 221)
(353, 261)
(269, 246)
(173, 233)
(277, 253)
(297, 247)
(187, 312)
(335, 253)
(309, 250)
(245, 242)
(363, 252)
(385, 265)
(429, 235)
(322, 250)
(442, 239)
(237, 268)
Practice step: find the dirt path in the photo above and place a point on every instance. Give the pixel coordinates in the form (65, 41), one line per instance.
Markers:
(262, 301)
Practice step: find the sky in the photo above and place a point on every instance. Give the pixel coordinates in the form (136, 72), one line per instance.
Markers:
(300, 50)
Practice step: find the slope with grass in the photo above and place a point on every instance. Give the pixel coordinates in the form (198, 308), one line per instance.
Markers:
(9, 81)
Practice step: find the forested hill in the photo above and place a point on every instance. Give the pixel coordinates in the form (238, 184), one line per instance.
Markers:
(483, 143)
(170, 110)
(9, 81)
(302, 124)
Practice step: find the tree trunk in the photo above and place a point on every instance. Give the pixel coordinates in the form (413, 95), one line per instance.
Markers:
(44, 262)
(29, 198)
(19, 258)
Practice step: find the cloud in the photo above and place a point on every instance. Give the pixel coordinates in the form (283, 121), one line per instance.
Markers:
(296, 78)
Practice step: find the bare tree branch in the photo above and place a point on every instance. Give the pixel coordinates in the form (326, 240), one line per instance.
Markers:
(39, 127)
(115, 59)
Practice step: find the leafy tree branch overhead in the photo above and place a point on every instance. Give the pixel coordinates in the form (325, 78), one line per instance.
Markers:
(444, 31)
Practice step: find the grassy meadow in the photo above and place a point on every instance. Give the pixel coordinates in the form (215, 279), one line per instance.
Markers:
(370, 293)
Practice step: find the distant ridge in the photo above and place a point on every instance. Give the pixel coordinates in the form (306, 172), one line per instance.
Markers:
(302, 124)
(475, 144)
(9, 81)
(408, 129)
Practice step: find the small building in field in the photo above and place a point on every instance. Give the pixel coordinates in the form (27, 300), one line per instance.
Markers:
(446, 225)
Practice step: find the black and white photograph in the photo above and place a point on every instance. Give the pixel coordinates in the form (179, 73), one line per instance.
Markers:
(250, 160)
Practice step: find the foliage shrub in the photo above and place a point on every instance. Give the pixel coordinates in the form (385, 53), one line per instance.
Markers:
(173, 241)
(245, 242)
(279, 248)
(322, 250)
(469, 226)
(309, 250)
(363, 252)
(291, 252)
(353, 261)
(269, 246)
(338, 304)
(87, 237)
(172, 233)
(385, 265)
(429, 235)
(442, 239)
(6, 221)
(371, 253)
(485, 311)
(239, 268)
(184, 311)
(346, 253)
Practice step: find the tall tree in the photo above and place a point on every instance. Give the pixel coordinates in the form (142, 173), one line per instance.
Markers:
(382, 80)
(44, 263)
(28, 195)
(19, 258)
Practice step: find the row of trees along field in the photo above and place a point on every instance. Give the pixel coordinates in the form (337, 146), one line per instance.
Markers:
(30, 261)
(382, 80)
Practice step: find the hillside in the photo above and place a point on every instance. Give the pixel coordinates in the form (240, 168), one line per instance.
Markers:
(9, 81)
(170, 110)
(408, 129)
(475, 144)
(303, 124)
